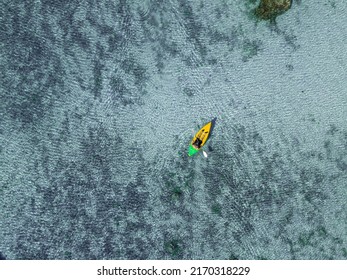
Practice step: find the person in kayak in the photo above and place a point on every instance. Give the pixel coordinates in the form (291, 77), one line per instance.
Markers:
(197, 143)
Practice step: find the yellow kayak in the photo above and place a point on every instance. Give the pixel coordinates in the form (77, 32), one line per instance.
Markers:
(201, 137)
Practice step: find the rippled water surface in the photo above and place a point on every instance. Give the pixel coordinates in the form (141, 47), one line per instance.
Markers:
(98, 101)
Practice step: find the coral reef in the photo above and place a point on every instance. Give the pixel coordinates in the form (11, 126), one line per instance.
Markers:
(270, 9)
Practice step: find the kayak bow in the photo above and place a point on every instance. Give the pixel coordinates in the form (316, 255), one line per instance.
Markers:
(201, 137)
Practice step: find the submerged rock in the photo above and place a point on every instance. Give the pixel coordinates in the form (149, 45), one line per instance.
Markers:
(270, 9)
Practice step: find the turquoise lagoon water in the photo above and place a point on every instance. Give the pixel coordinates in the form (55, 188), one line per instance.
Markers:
(98, 103)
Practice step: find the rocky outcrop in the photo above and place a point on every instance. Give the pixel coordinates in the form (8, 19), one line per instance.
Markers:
(270, 9)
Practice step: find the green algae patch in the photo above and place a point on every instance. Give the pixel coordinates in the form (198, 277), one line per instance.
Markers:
(344, 252)
(216, 209)
(270, 9)
(177, 193)
(232, 256)
(173, 248)
(250, 49)
(305, 239)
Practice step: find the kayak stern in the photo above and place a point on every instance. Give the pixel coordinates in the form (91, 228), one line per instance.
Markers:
(192, 150)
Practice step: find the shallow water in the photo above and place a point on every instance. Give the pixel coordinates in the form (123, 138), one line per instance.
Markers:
(98, 104)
